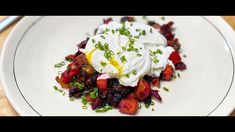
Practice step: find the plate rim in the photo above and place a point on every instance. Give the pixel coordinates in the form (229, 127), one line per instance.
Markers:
(218, 22)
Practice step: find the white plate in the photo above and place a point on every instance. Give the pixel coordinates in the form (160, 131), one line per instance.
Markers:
(37, 43)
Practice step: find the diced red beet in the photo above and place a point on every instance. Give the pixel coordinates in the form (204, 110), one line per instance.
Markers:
(70, 57)
(96, 103)
(155, 94)
(180, 66)
(65, 78)
(73, 72)
(106, 21)
(82, 44)
(169, 36)
(175, 57)
(156, 82)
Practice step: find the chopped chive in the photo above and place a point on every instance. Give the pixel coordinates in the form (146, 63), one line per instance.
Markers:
(118, 53)
(103, 63)
(84, 107)
(155, 60)
(152, 103)
(152, 109)
(127, 75)
(139, 55)
(178, 74)
(124, 48)
(84, 100)
(56, 88)
(166, 89)
(134, 72)
(62, 63)
(136, 50)
(93, 40)
(184, 56)
(94, 94)
(64, 94)
(71, 99)
(139, 105)
(163, 18)
(60, 90)
(113, 31)
(131, 24)
(123, 59)
(102, 36)
(159, 51)
(143, 32)
(104, 109)
(151, 30)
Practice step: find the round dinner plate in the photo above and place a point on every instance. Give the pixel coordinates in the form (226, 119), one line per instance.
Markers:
(205, 88)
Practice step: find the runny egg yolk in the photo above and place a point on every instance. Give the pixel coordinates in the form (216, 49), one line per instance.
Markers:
(112, 61)
(119, 67)
(89, 55)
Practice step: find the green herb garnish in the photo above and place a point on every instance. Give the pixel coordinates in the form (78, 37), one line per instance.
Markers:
(104, 109)
(127, 75)
(99, 46)
(155, 60)
(151, 30)
(178, 74)
(139, 55)
(84, 100)
(76, 84)
(123, 59)
(113, 31)
(163, 18)
(184, 56)
(103, 63)
(62, 63)
(93, 40)
(94, 94)
(102, 36)
(134, 72)
(123, 48)
(118, 53)
(159, 51)
(84, 107)
(71, 98)
(56, 88)
(166, 89)
(143, 32)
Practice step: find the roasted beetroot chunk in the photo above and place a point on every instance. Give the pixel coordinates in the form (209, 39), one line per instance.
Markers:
(155, 94)
(107, 21)
(127, 18)
(180, 66)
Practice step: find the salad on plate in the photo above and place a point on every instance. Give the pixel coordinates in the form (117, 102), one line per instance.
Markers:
(122, 65)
